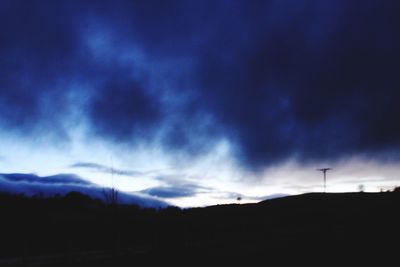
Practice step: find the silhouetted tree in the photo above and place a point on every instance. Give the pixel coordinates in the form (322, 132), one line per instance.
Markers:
(361, 188)
(110, 196)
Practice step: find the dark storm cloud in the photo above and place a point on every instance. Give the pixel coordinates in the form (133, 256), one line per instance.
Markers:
(314, 80)
(31, 184)
(124, 111)
(37, 49)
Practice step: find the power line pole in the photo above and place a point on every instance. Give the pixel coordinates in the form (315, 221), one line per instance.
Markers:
(324, 170)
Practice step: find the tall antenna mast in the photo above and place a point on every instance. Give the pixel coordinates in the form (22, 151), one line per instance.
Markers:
(324, 170)
(112, 173)
(114, 192)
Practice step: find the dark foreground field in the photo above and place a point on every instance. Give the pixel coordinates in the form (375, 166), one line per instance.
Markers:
(318, 229)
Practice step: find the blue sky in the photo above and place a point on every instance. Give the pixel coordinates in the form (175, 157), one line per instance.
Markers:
(198, 102)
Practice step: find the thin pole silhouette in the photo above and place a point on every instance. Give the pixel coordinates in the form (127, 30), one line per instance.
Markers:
(324, 170)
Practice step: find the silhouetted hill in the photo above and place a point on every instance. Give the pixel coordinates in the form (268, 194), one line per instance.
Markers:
(333, 228)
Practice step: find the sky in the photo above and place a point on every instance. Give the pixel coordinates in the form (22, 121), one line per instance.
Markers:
(196, 103)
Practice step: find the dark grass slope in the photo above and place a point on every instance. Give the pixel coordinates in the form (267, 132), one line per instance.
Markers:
(326, 229)
(337, 227)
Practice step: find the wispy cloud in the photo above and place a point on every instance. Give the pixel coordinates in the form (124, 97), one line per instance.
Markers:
(180, 186)
(107, 169)
(174, 186)
(177, 190)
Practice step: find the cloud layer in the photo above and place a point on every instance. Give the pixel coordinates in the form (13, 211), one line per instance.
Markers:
(106, 169)
(31, 184)
(309, 80)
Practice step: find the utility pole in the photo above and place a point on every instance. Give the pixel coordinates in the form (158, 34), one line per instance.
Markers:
(324, 170)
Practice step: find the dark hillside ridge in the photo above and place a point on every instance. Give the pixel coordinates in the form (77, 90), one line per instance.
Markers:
(339, 227)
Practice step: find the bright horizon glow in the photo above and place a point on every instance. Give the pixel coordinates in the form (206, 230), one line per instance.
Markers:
(215, 177)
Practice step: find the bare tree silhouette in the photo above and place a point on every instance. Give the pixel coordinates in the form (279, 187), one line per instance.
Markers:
(110, 196)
